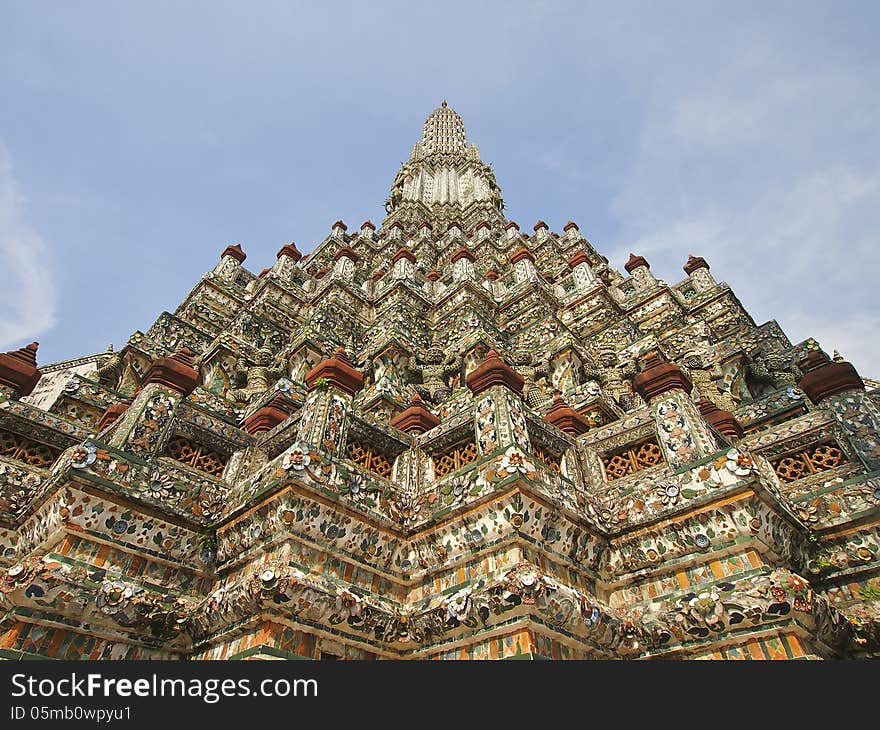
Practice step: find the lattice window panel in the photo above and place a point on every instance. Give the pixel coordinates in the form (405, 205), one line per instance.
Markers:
(813, 459)
(197, 456)
(549, 458)
(632, 459)
(32, 453)
(369, 458)
(77, 411)
(454, 458)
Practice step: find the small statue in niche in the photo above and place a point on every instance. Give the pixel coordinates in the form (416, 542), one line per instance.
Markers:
(707, 376)
(565, 371)
(536, 392)
(769, 370)
(433, 371)
(109, 368)
(385, 373)
(615, 378)
(256, 377)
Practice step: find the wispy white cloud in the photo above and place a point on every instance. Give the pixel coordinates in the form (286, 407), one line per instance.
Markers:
(27, 296)
(768, 170)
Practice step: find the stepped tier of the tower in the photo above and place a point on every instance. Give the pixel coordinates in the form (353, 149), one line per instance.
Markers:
(444, 437)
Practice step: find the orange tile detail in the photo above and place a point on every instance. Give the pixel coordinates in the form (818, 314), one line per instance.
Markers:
(682, 579)
(101, 557)
(795, 645)
(755, 650)
(8, 640)
(755, 559)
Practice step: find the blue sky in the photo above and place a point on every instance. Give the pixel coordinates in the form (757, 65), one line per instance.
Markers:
(138, 140)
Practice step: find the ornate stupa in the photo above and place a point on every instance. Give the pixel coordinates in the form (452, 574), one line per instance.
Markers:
(442, 438)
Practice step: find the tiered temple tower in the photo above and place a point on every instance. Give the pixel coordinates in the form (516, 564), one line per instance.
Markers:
(445, 437)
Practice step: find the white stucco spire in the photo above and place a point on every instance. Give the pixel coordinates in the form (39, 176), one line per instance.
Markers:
(444, 132)
(444, 178)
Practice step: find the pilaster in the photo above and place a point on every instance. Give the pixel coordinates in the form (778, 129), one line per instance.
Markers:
(682, 431)
(332, 383)
(499, 416)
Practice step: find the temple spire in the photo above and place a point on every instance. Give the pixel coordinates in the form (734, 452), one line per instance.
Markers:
(444, 179)
(444, 132)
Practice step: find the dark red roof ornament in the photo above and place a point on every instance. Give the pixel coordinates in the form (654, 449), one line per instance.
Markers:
(566, 418)
(270, 415)
(336, 371)
(659, 376)
(176, 372)
(348, 252)
(289, 249)
(722, 421)
(824, 378)
(521, 254)
(235, 252)
(463, 253)
(634, 262)
(415, 419)
(111, 414)
(18, 369)
(693, 263)
(494, 371)
(403, 253)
